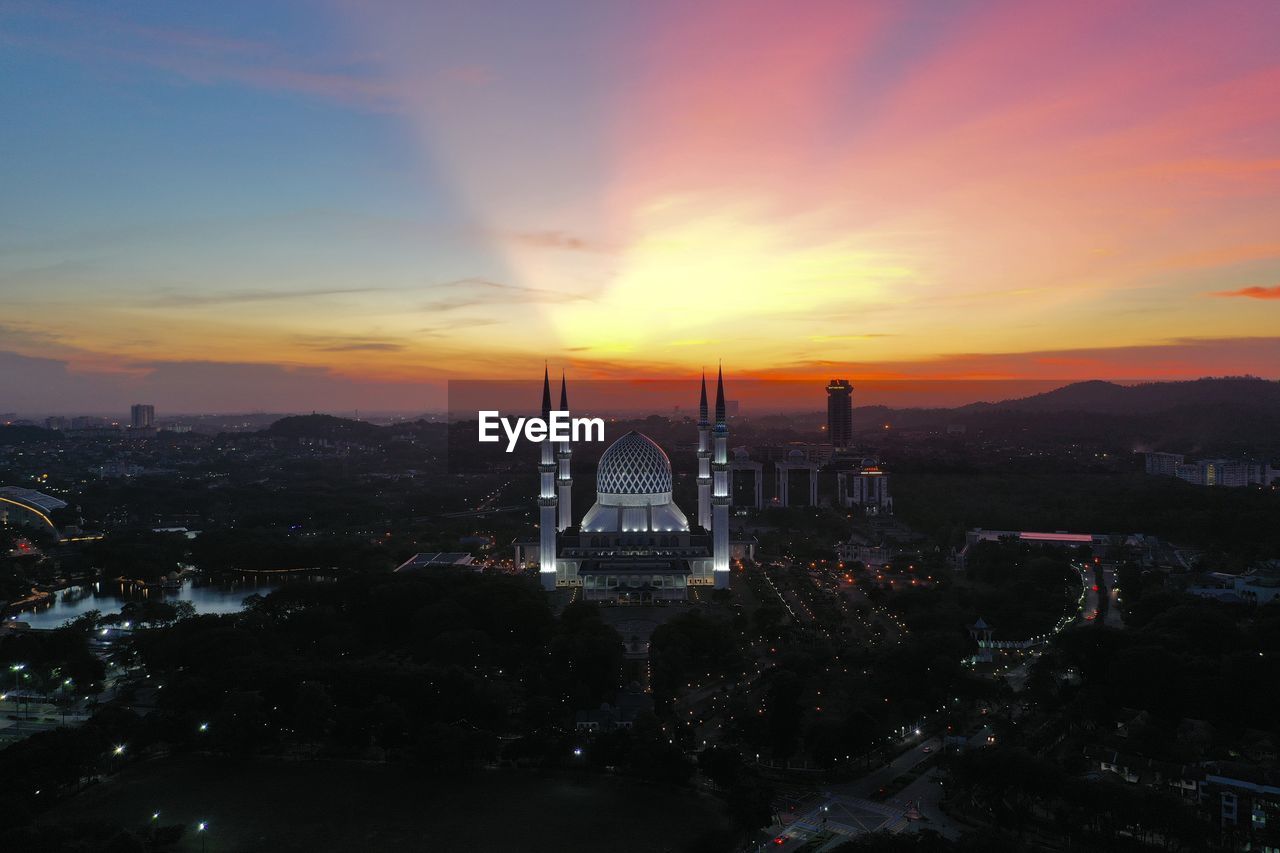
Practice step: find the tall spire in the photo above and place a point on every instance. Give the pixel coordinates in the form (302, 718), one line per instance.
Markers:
(548, 498)
(564, 479)
(702, 405)
(721, 420)
(704, 459)
(721, 473)
(546, 390)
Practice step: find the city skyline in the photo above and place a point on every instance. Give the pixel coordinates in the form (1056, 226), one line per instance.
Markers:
(710, 426)
(342, 206)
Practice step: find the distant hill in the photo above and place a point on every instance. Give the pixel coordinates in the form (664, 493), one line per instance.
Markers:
(424, 433)
(323, 426)
(1108, 398)
(1227, 417)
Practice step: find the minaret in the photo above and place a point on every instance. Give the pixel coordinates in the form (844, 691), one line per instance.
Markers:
(704, 460)
(720, 496)
(564, 482)
(547, 499)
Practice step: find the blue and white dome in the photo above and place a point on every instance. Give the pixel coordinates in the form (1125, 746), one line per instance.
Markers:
(634, 465)
(633, 490)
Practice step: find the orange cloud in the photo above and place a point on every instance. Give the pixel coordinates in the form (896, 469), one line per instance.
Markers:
(1252, 292)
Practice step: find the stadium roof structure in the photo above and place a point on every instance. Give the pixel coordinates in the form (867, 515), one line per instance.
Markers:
(35, 503)
(39, 500)
(442, 558)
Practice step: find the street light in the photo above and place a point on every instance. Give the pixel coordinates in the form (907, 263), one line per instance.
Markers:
(200, 828)
(17, 691)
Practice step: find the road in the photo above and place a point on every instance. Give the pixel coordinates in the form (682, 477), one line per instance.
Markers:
(1113, 619)
(37, 716)
(883, 775)
(848, 808)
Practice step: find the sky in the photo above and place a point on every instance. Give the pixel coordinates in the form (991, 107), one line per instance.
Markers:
(335, 205)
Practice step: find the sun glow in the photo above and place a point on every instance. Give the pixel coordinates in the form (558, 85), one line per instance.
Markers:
(694, 270)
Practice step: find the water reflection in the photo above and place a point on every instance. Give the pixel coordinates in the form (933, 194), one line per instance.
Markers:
(109, 596)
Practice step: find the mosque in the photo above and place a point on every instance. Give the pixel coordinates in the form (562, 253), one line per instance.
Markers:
(635, 546)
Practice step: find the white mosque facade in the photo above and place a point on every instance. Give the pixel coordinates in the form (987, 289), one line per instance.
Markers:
(635, 545)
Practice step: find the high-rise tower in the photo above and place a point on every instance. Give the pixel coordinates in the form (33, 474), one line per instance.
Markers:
(720, 494)
(142, 416)
(547, 499)
(704, 460)
(564, 481)
(840, 413)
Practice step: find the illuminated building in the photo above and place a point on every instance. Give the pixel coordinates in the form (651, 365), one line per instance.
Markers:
(1219, 472)
(866, 487)
(796, 461)
(635, 545)
(564, 481)
(1141, 545)
(548, 499)
(1162, 464)
(1232, 473)
(840, 413)
(720, 489)
(704, 460)
(20, 505)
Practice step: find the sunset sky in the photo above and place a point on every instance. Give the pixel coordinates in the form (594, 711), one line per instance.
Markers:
(330, 205)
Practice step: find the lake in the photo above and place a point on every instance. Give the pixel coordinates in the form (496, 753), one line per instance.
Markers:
(110, 596)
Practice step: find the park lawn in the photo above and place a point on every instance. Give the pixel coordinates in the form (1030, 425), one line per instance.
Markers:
(267, 804)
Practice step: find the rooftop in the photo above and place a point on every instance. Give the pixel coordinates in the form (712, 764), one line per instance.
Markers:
(440, 558)
(39, 500)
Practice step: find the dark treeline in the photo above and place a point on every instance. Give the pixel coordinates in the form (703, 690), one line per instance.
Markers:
(148, 555)
(1021, 590)
(693, 647)
(431, 668)
(1236, 523)
(1024, 793)
(54, 663)
(1194, 659)
(446, 673)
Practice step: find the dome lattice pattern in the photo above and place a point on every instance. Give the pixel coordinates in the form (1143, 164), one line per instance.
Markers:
(634, 465)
